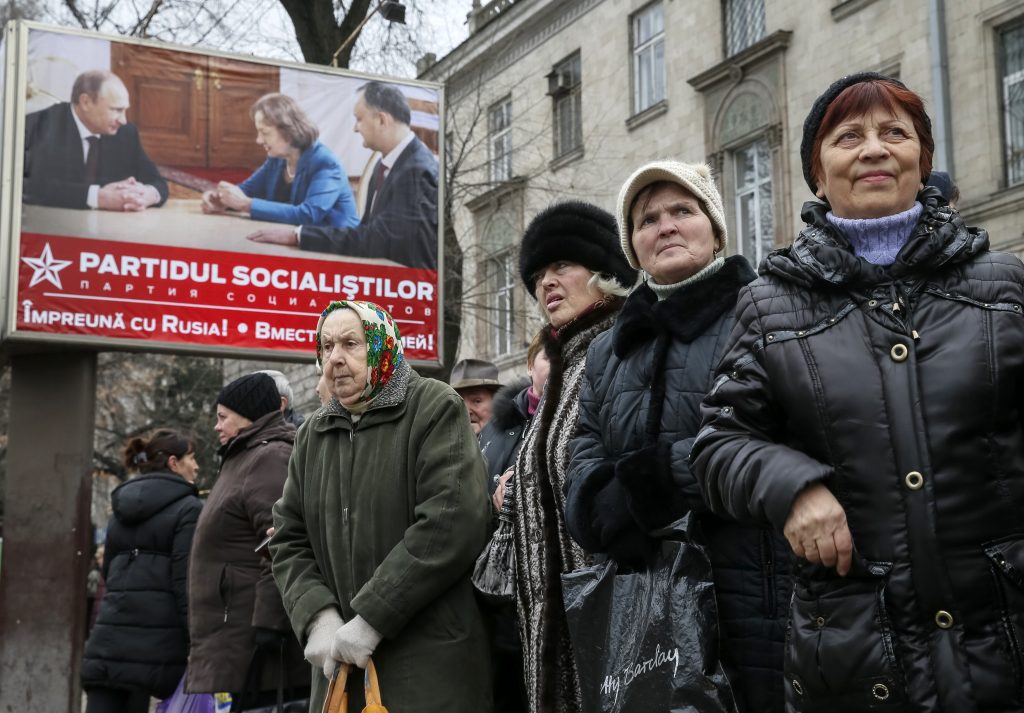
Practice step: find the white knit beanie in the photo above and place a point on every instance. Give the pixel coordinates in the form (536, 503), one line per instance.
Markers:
(694, 177)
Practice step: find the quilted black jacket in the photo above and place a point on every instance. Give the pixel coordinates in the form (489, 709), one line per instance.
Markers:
(900, 389)
(644, 384)
(140, 641)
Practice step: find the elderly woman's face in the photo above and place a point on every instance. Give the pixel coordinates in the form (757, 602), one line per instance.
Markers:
(229, 423)
(563, 291)
(270, 138)
(343, 352)
(672, 236)
(870, 165)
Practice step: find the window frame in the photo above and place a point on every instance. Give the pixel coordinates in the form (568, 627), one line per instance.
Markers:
(749, 39)
(638, 49)
(501, 301)
(566, 98)
(753, 189)
(1013, 168)
(499, 165)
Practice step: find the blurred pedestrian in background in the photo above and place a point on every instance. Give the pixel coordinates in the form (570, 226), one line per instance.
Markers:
(476, 381)
(139, 644)
(284, 389)
(241, 639)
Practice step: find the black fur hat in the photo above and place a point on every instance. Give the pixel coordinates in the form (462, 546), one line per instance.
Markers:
(813, 121)
(578, 232)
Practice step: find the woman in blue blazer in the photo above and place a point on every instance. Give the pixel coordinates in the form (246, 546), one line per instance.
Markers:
(300, 183)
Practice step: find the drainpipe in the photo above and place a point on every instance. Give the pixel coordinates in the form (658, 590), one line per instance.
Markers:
(940, 112)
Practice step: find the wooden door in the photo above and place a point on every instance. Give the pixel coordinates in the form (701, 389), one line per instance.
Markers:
(192, 110)
(234, 88)
(168, 101)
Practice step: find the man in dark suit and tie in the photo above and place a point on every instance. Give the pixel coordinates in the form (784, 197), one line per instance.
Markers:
(400, 218)
(85, 154)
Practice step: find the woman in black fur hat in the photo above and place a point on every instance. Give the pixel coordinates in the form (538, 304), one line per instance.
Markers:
(640, 411)
(570, 262)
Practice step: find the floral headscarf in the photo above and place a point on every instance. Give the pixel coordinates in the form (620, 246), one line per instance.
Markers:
(383, 345)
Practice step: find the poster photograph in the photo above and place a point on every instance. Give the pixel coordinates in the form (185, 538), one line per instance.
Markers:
(198, 202)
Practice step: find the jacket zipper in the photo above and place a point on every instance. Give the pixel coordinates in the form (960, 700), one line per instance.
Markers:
(768, 559)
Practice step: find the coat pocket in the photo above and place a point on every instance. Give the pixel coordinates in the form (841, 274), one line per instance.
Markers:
(1006, 561)
(840, 652)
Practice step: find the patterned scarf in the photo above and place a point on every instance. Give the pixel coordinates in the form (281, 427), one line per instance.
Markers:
(383, 348)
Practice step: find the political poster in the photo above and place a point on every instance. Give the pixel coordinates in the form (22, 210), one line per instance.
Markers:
(178, 200)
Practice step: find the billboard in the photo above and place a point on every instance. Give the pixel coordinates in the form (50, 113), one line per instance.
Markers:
(176, 200)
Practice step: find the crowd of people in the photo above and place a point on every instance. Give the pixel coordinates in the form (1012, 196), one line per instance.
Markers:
(839, 430)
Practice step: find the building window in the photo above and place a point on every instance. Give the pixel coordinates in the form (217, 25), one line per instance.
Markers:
(755, 236)
(744, 24)
(648, 57)
(500, 140)
(1012, 47)
(501, 283)
(565, 89)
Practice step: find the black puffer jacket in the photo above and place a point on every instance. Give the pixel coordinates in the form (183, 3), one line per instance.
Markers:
(645, 381)
(899, 388)
(140, 640)
(500, 438)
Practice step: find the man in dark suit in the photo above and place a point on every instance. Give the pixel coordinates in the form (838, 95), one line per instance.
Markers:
(85, 154)
(400, 219)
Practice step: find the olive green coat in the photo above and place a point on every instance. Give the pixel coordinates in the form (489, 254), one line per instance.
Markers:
(384, 519)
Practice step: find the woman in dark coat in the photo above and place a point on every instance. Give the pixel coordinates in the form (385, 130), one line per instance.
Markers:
(382, 515)
(139, 645)
(242, 641)
(570, 262)
(513, 407)
(869, 405)
(640, 410)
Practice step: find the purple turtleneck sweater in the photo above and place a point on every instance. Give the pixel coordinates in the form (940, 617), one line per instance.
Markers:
(877, 240)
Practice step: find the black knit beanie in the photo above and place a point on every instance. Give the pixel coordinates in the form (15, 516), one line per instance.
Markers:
(813, 121)
(252, 396)
(577, 232)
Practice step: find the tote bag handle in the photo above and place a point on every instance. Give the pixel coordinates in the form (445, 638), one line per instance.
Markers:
(336, 700)
(373, 704)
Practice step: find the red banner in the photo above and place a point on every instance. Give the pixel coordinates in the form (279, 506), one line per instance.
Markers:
(119, 290)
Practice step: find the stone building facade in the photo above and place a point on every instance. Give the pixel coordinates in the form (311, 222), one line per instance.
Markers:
(558, 99)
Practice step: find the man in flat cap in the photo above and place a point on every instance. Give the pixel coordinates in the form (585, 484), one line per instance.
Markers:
(476, 380)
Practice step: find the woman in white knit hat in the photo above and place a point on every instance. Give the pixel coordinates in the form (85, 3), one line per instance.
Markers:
(640, 411)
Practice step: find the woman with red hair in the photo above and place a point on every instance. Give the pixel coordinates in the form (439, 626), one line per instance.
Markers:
(869, 407)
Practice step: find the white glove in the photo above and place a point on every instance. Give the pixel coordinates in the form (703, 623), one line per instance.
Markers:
(319, 636)
(355, 642)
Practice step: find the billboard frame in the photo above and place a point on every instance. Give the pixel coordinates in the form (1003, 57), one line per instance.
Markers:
(12, 146)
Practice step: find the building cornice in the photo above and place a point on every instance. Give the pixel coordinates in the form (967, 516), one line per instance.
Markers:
(733, 68)
(501, 43)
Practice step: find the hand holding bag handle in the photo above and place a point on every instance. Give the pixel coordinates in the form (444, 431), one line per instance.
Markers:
(336, 700)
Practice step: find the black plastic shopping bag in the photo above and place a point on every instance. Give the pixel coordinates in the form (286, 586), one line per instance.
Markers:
(648, 640)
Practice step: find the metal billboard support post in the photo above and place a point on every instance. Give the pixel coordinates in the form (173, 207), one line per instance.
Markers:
(46, 530)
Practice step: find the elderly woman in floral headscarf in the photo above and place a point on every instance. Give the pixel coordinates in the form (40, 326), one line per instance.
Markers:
(383, 513)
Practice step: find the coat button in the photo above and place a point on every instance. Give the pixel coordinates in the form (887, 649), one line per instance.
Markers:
(820, 622)
(797, 687)
(899, 352)
(914, 480)
(943, 619)
(880, 691)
